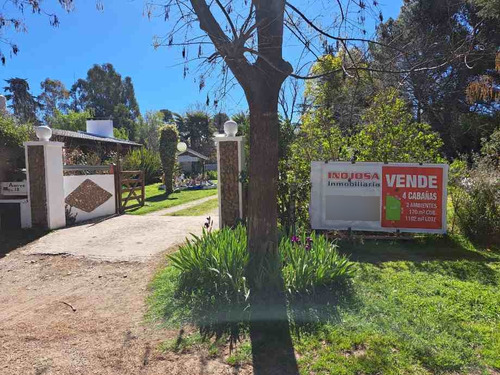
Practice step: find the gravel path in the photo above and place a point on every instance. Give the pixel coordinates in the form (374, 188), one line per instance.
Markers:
(120, 238)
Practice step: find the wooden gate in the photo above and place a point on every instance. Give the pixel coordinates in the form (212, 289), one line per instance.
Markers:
(129, 189)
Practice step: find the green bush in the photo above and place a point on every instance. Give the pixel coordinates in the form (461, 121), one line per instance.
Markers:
(312, 262)
(169, 137)
(144, 160)
(476, 202)
(13, 134)
(212, 281)
(212, 175)
(209, 276)
(390, 134)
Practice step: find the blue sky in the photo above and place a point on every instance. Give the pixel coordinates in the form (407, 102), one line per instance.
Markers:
(120, 35)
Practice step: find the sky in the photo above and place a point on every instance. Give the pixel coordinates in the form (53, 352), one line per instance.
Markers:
(122, 36)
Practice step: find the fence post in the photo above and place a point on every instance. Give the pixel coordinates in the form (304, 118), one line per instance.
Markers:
(143, 193)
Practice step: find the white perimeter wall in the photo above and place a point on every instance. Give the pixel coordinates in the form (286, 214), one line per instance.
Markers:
(105, 181)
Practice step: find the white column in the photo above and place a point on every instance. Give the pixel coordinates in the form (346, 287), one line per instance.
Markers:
(44, 169)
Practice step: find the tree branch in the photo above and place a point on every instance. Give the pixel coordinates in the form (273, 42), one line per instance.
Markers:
(340, 39)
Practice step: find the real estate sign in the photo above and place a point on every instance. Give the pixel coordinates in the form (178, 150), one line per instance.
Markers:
(379, 197)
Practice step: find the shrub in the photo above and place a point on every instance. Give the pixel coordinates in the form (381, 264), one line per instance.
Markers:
(212, 279)
(476, 202)
(212, 175)
(145, 160)
(211, 275)
(169, 137)
(312, 262)
(13, 134)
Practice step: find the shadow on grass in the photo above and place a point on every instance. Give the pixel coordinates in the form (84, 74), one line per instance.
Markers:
(445, 255)
(156, 199)
(428, 248)
(14, 239)
(271, 320)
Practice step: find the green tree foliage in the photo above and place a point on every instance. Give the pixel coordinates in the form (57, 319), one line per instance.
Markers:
(387, 132)
(12, 133)
(391, 135)
(148, 129)
(74, 121)
(108, 95)
(197, 130)
(122, 120)
(144, 160)
(169, 137)
(12, 136)
(24, 105)
(490, 149)
(318, 138)
(488, 9)
(218, 121)
(344, 97)
(168, 116)
(54, 97)
(120, 133)
(430, 32)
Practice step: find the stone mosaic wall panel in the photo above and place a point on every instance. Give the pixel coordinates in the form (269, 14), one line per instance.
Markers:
(88, 196)
(229, 183)
(38, 194)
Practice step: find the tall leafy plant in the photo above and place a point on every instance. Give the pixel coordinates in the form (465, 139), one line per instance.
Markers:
(390, 133)
(147, 161)
(169, 137)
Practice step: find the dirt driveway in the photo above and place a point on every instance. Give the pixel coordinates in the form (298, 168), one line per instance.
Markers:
(121, 238)
(66, 314)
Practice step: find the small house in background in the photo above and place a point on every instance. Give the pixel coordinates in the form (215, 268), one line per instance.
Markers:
(98, 138)
(192, 162)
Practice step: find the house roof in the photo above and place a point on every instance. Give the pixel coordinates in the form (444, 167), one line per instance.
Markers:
(91, 137)
(194, 153)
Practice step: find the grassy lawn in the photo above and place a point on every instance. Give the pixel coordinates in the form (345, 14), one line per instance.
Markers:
(421, 307)
(157, 200)
(425, 306)
(198, 210)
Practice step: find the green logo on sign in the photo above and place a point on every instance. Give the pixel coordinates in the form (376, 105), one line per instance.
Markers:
(392, 208)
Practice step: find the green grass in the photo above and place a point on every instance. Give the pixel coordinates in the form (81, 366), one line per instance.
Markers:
(198, 210)
(241, 355)
(157, 200)
(429, 306)
(425, 306)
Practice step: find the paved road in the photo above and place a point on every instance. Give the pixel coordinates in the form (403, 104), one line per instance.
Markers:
(120, 238)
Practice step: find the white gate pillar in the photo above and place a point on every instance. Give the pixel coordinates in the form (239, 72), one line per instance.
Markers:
(230, 164)
(45, 183)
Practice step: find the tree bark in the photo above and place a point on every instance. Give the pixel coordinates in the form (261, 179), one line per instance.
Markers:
(263, 170)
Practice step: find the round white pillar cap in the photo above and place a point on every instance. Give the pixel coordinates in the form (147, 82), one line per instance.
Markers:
(43, 133)
(230, 128)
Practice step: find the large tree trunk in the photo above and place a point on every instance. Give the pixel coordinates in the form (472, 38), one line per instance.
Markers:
(272, 347)
(263, 172)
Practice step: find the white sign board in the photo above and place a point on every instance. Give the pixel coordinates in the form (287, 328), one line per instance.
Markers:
(381, 197)
(13, 188)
